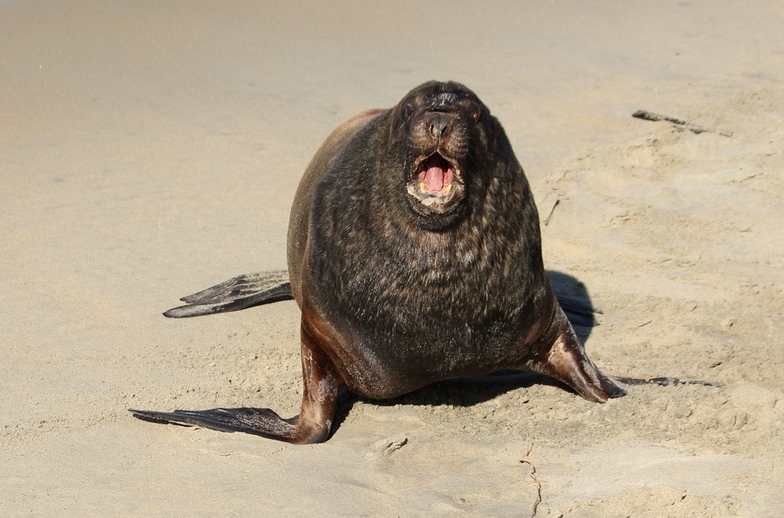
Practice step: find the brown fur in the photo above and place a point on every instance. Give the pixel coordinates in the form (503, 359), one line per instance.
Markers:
(402, 283)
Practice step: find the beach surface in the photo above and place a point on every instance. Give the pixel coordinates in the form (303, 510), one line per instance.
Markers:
(152, 149)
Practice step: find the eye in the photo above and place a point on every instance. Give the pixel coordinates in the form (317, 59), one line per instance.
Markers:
(473, 108)
(408, 109)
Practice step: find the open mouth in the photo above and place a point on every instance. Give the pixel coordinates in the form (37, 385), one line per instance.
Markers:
(435, 181)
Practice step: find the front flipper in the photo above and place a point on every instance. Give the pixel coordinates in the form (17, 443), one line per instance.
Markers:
(559, 354)
(322, 383)
(257, 421)
(567, 362)
(237, 293)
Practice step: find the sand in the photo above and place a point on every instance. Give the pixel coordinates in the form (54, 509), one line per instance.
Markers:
(148, 150)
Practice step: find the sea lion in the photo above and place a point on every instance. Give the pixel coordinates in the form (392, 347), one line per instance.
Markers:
(414, 254)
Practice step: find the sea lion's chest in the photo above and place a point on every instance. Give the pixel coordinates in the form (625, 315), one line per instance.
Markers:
(409, 305)
(404, 320)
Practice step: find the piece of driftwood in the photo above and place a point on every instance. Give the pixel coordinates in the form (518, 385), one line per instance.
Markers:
(694, 128)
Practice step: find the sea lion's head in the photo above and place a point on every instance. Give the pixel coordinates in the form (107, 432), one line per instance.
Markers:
(439, 132)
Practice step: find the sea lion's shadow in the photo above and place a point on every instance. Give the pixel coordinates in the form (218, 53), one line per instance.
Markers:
(467, 392)
(576, 303)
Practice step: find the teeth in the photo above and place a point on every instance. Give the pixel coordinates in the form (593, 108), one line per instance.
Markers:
(444, 192)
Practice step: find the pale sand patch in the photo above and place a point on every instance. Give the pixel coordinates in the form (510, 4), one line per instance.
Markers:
(151, 150)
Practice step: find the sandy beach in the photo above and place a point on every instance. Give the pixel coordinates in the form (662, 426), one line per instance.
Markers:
(152, 149)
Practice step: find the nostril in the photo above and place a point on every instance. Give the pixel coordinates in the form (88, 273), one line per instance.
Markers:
(439, 125)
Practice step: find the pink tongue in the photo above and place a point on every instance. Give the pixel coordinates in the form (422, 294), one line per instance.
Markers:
(434, 179)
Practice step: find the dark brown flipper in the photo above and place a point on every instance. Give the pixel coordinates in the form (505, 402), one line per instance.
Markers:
(257, 421)
(560, 355)
(319, 395)
(566, 361)
(243, 291)
(322, 383)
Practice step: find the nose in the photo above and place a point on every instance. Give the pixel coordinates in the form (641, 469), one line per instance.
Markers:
(439, 124)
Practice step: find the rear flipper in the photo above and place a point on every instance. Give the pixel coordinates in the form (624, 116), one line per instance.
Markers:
(257, 421)
(240, 292)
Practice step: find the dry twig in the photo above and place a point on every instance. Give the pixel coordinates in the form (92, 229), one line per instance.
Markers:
(547, 219)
